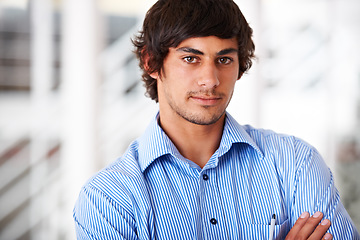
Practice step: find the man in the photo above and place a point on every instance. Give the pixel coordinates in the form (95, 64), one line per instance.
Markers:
(196, 173)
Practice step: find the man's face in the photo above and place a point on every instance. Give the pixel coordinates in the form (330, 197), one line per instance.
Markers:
(198, 79)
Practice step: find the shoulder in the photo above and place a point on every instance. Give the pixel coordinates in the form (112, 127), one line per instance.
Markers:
(122, 181)
(114, 201)
(289, 154)
(264, 140)
(271, 142)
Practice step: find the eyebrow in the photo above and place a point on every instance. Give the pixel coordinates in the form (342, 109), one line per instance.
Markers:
(198, 52)
(227, 51)
(190, 50)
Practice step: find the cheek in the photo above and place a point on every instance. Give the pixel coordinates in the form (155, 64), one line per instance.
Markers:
(184, 73)
(229, 78)
(182, 77)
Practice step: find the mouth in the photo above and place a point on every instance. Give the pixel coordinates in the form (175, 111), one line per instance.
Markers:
(206, 100)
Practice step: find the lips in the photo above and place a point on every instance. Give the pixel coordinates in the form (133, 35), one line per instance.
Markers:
(206, 100)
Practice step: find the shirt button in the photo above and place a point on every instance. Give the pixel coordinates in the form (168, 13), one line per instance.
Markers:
(213, 221)
(205, 177)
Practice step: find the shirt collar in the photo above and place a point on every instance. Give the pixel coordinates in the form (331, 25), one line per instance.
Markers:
(154, 143)
(235, 133)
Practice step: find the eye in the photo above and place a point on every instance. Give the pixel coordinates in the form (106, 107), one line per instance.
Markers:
(225, 60)
(190, 59)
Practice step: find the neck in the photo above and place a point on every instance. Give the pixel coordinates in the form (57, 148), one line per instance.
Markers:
(195, 142)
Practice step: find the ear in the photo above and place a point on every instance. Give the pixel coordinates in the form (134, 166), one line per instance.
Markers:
(154, 75)
(146, 57)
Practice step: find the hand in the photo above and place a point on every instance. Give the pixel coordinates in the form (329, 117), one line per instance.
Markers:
(307, 227)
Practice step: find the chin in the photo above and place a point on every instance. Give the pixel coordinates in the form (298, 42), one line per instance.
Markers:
(201, 120)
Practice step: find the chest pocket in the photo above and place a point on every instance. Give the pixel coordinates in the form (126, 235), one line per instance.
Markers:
(261, 231)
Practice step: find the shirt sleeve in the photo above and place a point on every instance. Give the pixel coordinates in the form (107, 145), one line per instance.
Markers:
(97, 217)
(315, 191)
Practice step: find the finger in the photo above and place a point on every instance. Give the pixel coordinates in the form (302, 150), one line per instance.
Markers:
(310, 226)
(320, 230)
(327, 236)
(300, 222)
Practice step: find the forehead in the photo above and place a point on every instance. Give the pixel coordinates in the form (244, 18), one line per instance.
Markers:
(210, 44)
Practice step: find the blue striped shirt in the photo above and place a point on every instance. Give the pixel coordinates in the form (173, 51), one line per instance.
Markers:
(153, 192)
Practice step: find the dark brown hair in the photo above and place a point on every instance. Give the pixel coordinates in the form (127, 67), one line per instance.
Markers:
(169, 22)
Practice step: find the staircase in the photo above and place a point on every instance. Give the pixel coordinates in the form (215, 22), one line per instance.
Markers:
(31, 187)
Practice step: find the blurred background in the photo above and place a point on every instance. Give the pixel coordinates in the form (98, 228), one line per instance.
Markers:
(71, 99)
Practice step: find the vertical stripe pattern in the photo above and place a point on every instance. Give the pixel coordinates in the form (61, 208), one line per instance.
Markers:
(152, 192)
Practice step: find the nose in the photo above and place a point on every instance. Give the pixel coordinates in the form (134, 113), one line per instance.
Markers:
(208, 76)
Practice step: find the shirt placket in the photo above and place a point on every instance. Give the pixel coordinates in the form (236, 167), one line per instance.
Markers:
(212, 218)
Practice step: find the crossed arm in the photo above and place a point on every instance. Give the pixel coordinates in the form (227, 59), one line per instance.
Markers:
(311, 228)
